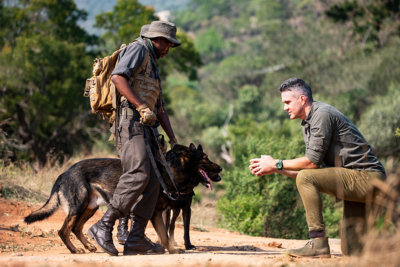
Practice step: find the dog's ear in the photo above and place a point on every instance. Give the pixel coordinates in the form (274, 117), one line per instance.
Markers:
(200, 148)
(192, 147)
(177, 148)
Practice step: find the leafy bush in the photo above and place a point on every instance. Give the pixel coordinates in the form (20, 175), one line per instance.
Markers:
(246, 216)
(380, 122)
(269, 205)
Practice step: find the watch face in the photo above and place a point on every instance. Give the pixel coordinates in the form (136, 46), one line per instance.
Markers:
(279, 165)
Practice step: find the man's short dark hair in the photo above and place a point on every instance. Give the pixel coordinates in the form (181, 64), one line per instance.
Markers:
(297, 84)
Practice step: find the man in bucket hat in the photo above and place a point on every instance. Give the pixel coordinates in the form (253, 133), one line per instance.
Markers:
(137, 79)
(163, 29)
(122, 229)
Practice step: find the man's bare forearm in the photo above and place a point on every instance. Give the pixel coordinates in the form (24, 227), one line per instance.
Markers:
(163, 118)
(122, 85)
(298, 164)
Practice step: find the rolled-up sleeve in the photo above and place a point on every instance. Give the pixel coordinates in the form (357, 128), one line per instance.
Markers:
(129, 59)
(320, 135)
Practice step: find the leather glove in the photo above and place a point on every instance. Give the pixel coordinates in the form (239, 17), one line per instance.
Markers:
(172, 142)
(147, 116)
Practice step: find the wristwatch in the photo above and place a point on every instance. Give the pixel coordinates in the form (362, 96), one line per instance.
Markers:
(279, 165)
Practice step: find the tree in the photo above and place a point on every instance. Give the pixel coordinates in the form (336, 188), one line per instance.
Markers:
(43, 66)
(372, 21)
(123, 24)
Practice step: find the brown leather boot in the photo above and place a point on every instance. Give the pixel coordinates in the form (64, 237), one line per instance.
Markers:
(101, 231)
(137, 243)
(122, 228)
(316, 248)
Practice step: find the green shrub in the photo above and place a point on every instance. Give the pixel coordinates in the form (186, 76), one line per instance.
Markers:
(245, 217)
(380, 122)
(268, 205)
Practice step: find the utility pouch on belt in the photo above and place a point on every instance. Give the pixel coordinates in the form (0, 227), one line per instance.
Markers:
(127, 110)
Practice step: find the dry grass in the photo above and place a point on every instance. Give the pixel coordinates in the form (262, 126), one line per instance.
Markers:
(382, 242)
(382, 250)
(28, 182)
(204, 212)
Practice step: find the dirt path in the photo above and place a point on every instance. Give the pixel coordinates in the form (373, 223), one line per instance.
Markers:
(39, 245)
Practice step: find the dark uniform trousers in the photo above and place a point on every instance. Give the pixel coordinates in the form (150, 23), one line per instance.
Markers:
(138, 182)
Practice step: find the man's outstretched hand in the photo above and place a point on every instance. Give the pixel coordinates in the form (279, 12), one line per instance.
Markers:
(262, 166)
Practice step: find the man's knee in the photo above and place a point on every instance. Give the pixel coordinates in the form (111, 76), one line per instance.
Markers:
(303, 178)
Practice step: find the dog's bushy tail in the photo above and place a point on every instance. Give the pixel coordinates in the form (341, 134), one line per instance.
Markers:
(47, 209)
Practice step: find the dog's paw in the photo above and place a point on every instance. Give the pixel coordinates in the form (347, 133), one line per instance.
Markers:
(176, 251)
(78, 251)
(190, 247)
(92, 248)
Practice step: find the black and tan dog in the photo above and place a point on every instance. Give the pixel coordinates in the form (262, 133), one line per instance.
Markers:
(90, 183)
(196, 169)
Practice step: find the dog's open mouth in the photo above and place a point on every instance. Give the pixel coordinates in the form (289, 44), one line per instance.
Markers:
(207, 180)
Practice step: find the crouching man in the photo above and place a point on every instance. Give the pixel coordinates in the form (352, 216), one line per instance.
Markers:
(338, 161)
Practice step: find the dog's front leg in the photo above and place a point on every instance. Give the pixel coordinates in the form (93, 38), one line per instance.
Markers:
(165, 218)
(186, 214)
(171, 229)
(159, 226)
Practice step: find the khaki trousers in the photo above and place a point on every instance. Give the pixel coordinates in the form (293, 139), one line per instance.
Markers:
(347, 184)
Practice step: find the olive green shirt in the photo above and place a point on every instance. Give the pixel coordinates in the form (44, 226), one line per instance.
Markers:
(332, 140)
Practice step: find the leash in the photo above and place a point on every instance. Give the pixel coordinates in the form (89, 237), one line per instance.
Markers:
(163, 162)
(182, 196)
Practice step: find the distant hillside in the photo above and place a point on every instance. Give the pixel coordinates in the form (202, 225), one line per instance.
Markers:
(94, 7)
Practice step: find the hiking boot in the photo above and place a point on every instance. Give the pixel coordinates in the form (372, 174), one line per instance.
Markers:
(122, 234)
(316, 247)
(101, 231)
(138, 243)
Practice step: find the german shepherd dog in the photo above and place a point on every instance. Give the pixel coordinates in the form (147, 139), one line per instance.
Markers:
(198, 169)
(90, 183)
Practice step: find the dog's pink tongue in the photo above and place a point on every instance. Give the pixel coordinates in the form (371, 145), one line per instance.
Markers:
(209, 185)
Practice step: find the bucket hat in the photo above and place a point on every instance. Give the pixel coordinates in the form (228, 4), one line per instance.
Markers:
(144, 29)
(164, 29)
